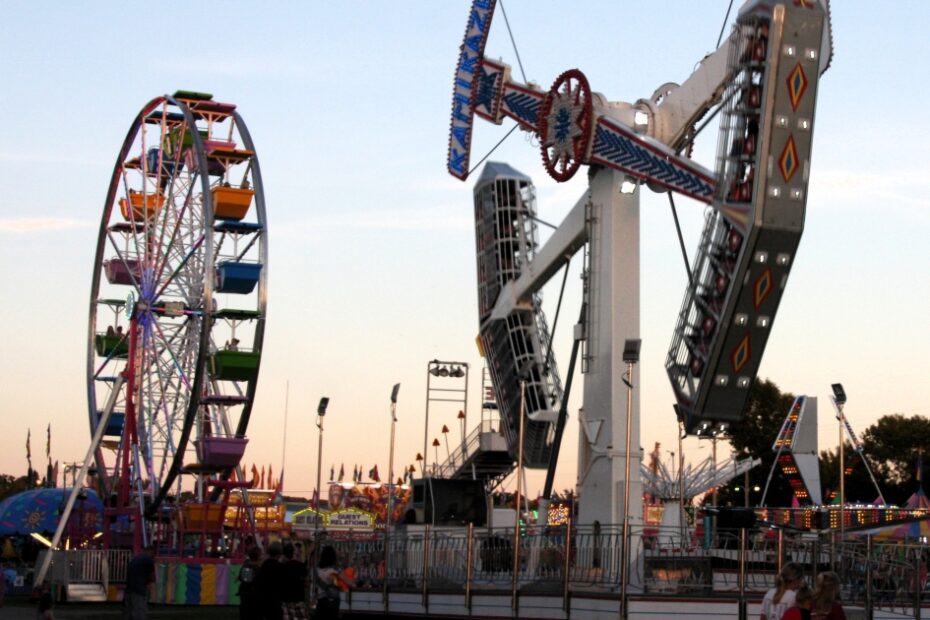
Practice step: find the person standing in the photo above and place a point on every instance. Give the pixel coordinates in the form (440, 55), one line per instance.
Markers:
(293, 605)
(781, 597)
(44, 609)
(270, 582)
(330, 580)
(249, 602)
(827, 598)
(140, 584)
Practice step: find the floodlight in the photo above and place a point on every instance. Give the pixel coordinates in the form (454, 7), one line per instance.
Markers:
(839, 394)
(631, 350)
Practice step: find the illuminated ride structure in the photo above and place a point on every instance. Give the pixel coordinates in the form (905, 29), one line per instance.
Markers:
(678, 489)
(176, 326)
(763, 82)
(180, 260)
(797, 457)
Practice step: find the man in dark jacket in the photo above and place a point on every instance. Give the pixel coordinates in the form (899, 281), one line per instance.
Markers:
(140, 584)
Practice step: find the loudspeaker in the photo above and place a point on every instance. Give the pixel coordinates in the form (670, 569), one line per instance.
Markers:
(736, 518)
(449, 502)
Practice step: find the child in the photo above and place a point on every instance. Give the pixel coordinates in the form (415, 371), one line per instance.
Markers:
(803, 600)
(781, 597)
(44, 610)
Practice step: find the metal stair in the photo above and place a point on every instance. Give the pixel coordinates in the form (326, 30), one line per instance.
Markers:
(86, 593)
(484, 454)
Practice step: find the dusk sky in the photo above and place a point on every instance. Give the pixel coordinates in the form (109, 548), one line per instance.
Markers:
(371, 242)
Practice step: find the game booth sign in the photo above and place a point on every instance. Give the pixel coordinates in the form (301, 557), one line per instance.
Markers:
(354, 508)
(191, 578)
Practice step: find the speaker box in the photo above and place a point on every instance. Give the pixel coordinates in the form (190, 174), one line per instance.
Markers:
(449, 502)
(736, 518)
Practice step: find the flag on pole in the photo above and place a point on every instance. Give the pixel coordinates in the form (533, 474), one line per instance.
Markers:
(255, 476)
(270, 477)
(261, 482)
(373, 474)
(332, 473)
(342, 472)
(29, 474)
(48, 442)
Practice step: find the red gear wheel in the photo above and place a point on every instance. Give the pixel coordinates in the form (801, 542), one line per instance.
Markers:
(565, 125)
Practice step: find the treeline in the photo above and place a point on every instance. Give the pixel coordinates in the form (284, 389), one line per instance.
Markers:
(893, 448)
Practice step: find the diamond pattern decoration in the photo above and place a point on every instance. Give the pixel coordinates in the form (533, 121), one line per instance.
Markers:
(788, 161)
(797, 86)
(762, 288)
(742, 353)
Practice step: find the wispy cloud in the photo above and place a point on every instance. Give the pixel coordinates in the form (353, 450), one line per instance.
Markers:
(35, 158)
(439, 218)
(29, 225)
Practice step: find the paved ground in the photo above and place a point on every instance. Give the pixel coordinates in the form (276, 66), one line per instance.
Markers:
(24, 610)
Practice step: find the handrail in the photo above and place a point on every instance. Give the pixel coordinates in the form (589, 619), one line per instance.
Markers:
(466, 451)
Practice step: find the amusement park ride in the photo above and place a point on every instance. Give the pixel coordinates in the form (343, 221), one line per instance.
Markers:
(177, 319)
(178, 306)
(763, 81)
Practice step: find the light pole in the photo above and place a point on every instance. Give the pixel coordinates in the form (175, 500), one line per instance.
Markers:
(390, 512)
(445, 370)
(320, 413)
(516, 525)
(839, 399)
(630, 356)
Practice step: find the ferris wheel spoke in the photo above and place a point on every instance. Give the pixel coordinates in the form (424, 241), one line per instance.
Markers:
(160, 266)
(181, 266)
(182, 373)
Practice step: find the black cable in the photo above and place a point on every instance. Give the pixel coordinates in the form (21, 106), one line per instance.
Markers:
(681, 240)
(722, 26)
(514, 43)
(494, 148)
(555, 321)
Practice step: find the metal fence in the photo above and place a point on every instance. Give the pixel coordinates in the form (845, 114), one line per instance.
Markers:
(674, 563)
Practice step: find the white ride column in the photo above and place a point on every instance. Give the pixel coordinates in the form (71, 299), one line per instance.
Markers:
(613, 317)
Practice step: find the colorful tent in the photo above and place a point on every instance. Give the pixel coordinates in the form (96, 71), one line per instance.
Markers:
(38, 511)
(914, 530)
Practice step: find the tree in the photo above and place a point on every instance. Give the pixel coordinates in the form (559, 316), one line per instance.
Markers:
(893, 447)
(858, 486)
(754, 436)
(10, 485)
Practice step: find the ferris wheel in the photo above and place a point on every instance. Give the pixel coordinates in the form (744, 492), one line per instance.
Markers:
(178, 300)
